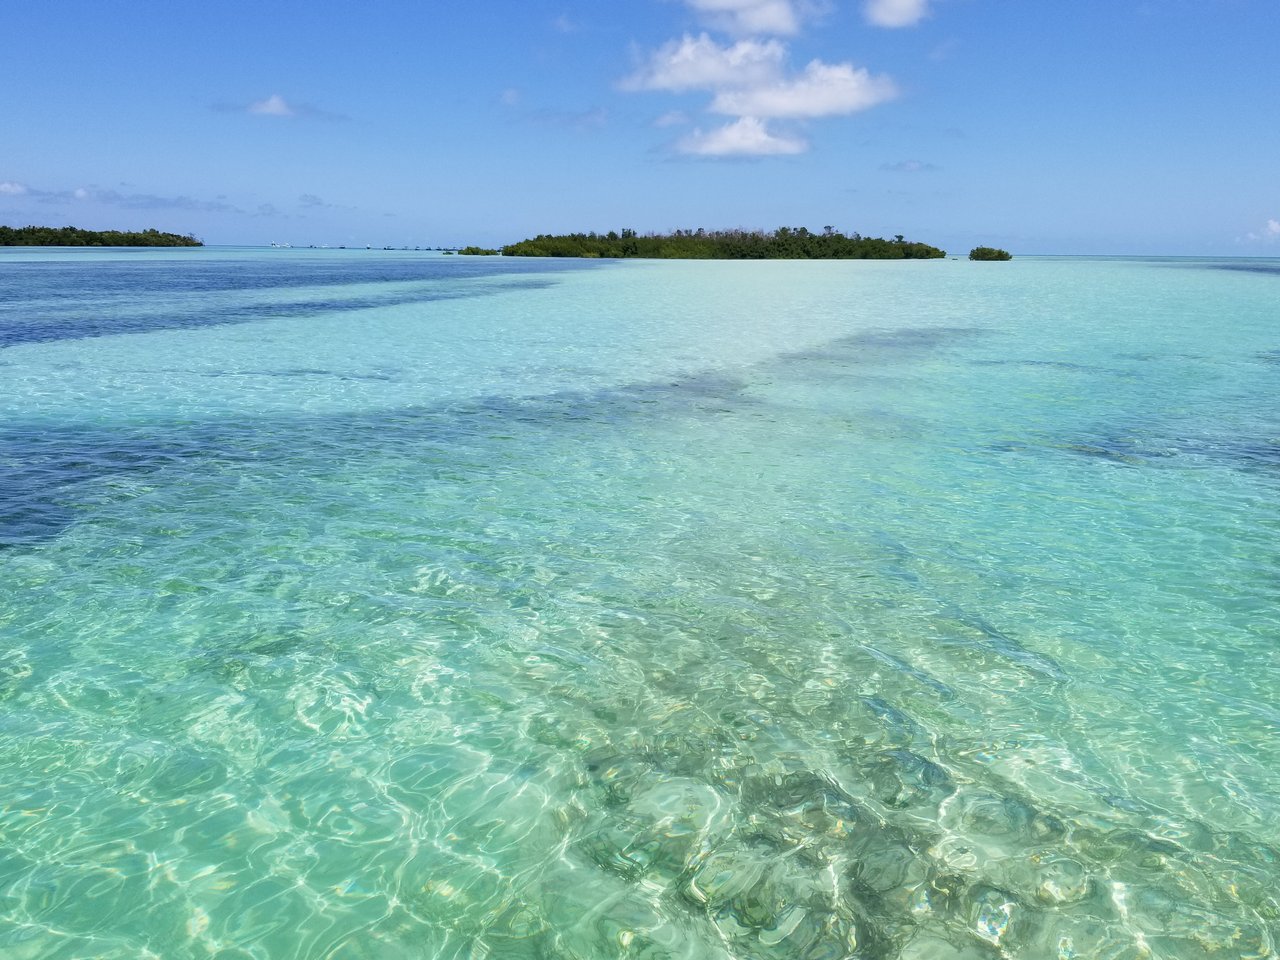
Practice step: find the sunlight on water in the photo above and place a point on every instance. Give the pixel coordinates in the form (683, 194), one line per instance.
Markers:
(370, 605)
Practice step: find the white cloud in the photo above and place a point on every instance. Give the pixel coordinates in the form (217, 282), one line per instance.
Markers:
(748, 78)
(10, 189)
(699, 63)
(274, 106)
(1270, 232)
(751, 16)
(895, 13)
(823, 90)
(745, 137)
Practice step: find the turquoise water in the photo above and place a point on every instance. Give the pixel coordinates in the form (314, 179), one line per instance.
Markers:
(358, 604)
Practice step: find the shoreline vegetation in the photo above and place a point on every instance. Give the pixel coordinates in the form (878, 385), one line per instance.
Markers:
(32, 236)
(989, 253)
(785, 243)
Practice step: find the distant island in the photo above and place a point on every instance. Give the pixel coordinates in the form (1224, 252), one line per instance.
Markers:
(785, 243)
(75, 237)
(989, 253)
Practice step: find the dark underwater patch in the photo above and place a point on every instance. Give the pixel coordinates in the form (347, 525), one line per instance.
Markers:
(47, 471)
(50, 327)
(138, 278)
(303, 372)
(883, 346)
(1113, 451)
(1051, 364)
(1269, 268)
(1242, 453)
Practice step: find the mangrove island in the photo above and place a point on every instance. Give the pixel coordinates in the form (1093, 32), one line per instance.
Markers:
(785, 243)
(989, 253)
(75, 237)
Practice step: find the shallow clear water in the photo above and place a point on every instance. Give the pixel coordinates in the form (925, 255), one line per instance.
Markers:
(365, 604)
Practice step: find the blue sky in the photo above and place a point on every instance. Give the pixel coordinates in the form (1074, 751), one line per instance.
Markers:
(1045, 126)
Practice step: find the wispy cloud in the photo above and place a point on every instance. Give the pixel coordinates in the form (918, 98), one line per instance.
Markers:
(672, 118)
(699, 63)
(308, 203)
(277, 106)
(945, 50)
(822, 90)
(745, 137)
(590, 119)
(114, 198)
(274, 106)
(895, 13)
(151, 201)
(908, 166)
(753, 17)
(1270, 232)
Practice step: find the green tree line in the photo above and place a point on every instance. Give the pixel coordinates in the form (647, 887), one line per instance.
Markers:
(785, 243)
(989, 253)
(75, 237)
